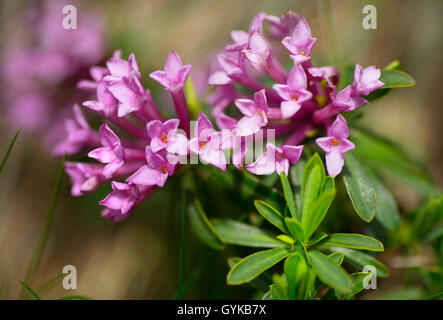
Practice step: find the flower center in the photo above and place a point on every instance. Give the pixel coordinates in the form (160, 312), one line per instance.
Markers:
(202, 143)
(164, 169)
(302, 52)
(335, 142)
(164, 138)
(295, 97)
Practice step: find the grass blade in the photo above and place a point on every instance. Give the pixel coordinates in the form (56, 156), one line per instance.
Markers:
(28, 289)
(11, 145)
(44, 236)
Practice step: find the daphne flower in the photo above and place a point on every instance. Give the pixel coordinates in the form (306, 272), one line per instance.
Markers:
(165, 135)
(123, 197)
(366, 80)
(255, 114)
(241, 39)
(174, 76)
(345, 101)
(112, 152)
(283, 26)
(300, 43)
(85, 177)
(120, 69)
(336, 145)
(260, 56)
(294, 93)
(80, 135)
(208, 143)
(155, 172)
(275, 159)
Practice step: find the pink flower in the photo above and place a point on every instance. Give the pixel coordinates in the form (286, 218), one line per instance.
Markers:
(282, 27)
(80, 135)
(366, 80)
(294, 93)
(300, 43)
(275, 159)
(255, 114)
(174, 76)
(155, 172)
(112, 152)
(336, 145)
(164, 135)
(208, 143)
(85, 177)
(122, 198)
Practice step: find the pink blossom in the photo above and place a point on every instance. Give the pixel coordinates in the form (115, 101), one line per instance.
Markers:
(336, 145)
(255, 114)
(275, 159)
(294, 93)
(164, 135)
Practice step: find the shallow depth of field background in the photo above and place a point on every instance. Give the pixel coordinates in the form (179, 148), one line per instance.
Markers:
(139, 259)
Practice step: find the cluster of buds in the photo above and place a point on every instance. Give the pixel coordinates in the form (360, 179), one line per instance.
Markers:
(150, 148)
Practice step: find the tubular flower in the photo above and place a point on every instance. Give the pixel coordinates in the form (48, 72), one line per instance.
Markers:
(336, 145)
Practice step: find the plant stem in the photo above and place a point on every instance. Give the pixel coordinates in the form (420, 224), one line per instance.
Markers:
(182, 249)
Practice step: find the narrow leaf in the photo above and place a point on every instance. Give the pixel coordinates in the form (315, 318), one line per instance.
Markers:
(296, 229)
(353, 241)
(359, 188)
(329, 271)
(253, 265)
(202, 227)
(295, 270)
(271, 214)
(319, 209)
(242, 234)
(289, 196)
(261, 282)
(360, 260)
(386, 208)
(313, 180)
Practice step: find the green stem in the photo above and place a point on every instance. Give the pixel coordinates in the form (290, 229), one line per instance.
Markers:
(44, 236)
(182, 249)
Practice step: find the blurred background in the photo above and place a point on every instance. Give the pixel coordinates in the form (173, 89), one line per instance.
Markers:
(139, 258)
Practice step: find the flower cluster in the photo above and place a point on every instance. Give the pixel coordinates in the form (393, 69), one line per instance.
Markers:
(41, 64)
(145, 153)
(301, 100)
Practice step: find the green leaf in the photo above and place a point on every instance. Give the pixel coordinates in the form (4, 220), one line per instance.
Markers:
(253, 265)
(203, 228)
(295, 270)
(261, 282)
(396, 79)
(386, 208)
(329, 272)
(6, 156)
(317, 238)
(242, 234)
(319, 209)
(388, 158)
(359, 188)
(271, 214)
(359, 281)
(337, 257)
(353, 241)
(295, 228)
(289, 196)
(360, 260)
(313, 180)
